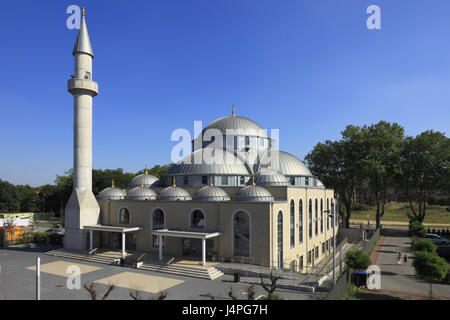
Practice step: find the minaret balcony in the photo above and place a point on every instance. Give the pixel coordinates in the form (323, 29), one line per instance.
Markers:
(82, 86)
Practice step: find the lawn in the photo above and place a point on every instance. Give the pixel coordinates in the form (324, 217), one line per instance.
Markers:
(398, 212)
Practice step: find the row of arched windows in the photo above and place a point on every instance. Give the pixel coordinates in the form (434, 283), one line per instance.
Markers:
(318, 219)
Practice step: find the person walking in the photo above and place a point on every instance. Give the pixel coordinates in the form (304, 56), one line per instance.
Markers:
(405, 259)
(399, 258)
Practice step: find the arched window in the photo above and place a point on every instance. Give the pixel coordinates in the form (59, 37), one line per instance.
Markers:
(157, 223)
(321, 216)
(242, 181)
(316, 216)
(204, 180)
(197, 219)
(292, 223)
(124, 216)
(247, 140)
(332, 213)
(235, 142)
(300, 221)
(241, 234)
(280, 239)
(185, 180)
(328, 214)
(310, 219)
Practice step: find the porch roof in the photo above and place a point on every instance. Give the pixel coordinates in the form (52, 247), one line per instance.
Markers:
(99, 227)
(186, 234)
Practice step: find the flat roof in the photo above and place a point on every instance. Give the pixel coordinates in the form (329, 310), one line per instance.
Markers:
(99, 227)
(186, 234)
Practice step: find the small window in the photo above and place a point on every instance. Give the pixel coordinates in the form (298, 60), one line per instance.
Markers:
(306, 181)
(224, 180)
(205, 180)
(300, 263)
(186, 180)
(242, 180)
(247, 140)
(317, 252)
(87, 75)
(197, 220)
(235, 142)
(292, 181)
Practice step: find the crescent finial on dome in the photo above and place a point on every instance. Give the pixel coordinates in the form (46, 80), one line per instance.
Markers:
(232, 111)
(146, 170)
(112, 184)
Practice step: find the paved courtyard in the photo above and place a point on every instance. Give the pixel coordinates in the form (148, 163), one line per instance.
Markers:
(18, 279)
(401, 278)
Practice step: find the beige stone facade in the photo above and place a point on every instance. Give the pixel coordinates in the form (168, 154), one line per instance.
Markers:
(263, 226)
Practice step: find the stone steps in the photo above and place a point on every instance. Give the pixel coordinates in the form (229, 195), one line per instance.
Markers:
(210, 273)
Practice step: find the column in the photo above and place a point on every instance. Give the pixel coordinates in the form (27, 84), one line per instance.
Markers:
(123, 245)
(90, 240)
(203, 251)
(160, 247)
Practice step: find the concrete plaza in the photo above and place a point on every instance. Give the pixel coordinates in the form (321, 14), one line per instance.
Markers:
(18, 279)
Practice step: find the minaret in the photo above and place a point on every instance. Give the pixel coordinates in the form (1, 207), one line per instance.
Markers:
(82, 208)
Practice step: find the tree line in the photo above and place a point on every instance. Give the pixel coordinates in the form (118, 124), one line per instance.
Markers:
(382, 157)
(52, 198)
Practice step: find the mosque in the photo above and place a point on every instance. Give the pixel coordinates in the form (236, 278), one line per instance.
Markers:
(251, 204)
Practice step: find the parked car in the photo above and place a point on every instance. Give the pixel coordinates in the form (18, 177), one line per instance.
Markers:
(57, 231)
(437, 240)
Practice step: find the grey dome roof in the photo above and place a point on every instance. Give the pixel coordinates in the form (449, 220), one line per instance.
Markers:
(147, 179)
(270, 177)
(288, 164)
(200, 162)
(211, 193)
(141, 193)
(245, 126)
(174, 193)
(112, 193)
(254, 193)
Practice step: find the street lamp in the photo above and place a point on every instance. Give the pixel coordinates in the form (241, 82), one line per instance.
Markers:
(331, 215)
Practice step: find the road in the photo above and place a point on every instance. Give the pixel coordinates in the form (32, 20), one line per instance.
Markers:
(401, 278)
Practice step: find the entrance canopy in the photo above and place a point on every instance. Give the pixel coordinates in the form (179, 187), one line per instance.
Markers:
(185, 234)
(99, 227)
(122, 230)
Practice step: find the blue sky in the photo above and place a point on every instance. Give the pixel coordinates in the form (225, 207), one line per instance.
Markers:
(308, 68)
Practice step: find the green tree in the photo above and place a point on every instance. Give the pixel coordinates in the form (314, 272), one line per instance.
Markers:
(381, 146)
(424, 168)
(9, 199)
(338, 165)
(424, 245)
(357, 260)
(416, 229)
(430, 266)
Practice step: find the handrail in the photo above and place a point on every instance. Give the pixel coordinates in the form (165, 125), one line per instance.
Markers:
(170, 261)
(92, 252)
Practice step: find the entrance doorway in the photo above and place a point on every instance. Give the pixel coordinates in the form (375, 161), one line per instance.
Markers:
(193, 247)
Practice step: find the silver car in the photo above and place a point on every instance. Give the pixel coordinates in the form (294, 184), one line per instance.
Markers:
(437, 240)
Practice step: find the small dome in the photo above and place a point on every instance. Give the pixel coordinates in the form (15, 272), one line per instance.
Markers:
(254, 193)
(270, 177)
(209, 161)
(147, 179)
(141, 193)
(241, 126)
(288, 164)
(173, 193)
(211, 193)
(112, 193)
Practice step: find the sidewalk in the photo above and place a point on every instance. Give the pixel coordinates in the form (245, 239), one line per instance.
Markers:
(401, 278)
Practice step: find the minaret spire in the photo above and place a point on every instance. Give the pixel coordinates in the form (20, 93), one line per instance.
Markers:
(232, 111)
(83, 43)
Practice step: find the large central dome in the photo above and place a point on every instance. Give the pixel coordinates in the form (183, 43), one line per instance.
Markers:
(241, 126)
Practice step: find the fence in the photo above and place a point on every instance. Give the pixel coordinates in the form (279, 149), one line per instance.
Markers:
(342, 284)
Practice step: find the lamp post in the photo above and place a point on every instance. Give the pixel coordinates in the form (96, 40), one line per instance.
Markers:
(331, 215)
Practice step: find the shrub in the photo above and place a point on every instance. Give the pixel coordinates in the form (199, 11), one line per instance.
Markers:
(423, 245)
(430, 266)
(416, 229)
(56, 239)
(357, 260)
(40, 237)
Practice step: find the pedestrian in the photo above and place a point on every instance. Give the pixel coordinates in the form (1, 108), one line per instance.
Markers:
(399, 258)
(405, 258)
